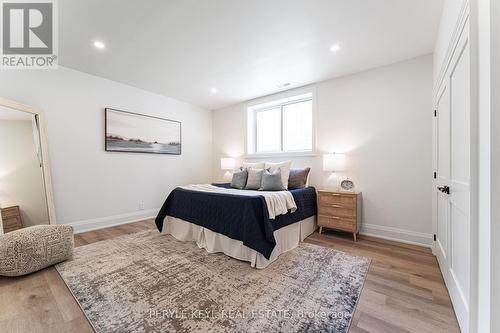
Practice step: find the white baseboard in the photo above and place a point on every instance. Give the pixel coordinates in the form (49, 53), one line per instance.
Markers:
(389, 233)
(399, 235)
(110, 221)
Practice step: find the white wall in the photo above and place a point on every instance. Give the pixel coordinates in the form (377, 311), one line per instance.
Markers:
(21, 182)
(92, 187)
(382, 119)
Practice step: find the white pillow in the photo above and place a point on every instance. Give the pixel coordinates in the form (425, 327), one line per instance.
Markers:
(285, 170)
(256, 165)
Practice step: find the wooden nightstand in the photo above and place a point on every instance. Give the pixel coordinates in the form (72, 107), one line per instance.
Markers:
(339, 210)
(11, 219)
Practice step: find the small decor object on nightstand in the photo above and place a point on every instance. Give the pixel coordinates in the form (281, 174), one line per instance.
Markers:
(339, 210)
(347, 185)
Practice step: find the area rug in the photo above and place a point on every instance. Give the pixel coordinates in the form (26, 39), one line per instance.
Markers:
(148, 282)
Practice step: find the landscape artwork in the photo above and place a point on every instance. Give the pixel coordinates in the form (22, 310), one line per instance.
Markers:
(137, 133)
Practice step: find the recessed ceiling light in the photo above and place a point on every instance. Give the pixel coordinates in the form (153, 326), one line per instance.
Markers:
(335, 48)
(99, 45)
(213, 90)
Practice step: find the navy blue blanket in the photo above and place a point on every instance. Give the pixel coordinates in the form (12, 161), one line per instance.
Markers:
(243, 218)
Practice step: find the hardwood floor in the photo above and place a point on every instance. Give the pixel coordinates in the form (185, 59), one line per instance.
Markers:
(403, 292)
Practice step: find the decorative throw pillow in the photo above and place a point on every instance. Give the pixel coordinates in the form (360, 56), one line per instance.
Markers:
(239, 179)
(256, 165)
(285, 170)
(254, 179)
(271, 180)
(298, 178)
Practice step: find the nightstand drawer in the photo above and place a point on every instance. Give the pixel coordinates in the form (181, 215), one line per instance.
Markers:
(11, 219)
(327, 198)
(11, 223)
(10, 212)
(337, 223)
(6, 230)
(336, 210)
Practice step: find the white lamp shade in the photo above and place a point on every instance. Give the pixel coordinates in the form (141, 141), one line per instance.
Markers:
(227, 163)
(334, 162)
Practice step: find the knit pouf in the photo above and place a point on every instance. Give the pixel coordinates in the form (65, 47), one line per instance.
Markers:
(31, 249)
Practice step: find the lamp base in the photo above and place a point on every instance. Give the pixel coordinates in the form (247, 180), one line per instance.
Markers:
(332, 183)
(228, 176)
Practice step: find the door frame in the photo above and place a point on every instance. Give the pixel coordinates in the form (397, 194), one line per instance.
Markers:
(463, 30)
(47, 177)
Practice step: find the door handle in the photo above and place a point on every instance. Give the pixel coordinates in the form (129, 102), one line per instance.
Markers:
(444, 189)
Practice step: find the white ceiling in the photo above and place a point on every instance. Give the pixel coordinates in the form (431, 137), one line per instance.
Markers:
(11, 114)
(244, 48)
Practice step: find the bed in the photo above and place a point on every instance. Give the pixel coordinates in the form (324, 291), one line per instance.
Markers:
(246, 225)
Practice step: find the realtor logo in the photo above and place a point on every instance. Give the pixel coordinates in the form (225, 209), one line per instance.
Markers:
(29, 34)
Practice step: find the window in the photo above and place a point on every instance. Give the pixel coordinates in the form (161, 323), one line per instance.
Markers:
(281, 126)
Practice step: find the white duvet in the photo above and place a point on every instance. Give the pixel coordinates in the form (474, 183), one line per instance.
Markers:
(278, 202)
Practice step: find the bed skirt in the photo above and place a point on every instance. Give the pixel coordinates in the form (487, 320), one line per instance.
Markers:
(287, 238)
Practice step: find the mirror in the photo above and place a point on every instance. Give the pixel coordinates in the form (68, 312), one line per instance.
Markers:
(24, 188)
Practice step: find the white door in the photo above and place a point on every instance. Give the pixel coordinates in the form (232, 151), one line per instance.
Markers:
(443, 177)
(452, 184)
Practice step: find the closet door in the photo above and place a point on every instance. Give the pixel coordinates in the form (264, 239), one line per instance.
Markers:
(452, 183)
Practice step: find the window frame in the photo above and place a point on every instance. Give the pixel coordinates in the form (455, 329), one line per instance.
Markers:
(273, 102)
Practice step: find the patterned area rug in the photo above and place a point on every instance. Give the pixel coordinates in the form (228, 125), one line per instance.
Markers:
(148, 282)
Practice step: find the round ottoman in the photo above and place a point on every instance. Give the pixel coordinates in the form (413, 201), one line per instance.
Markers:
(30, 249)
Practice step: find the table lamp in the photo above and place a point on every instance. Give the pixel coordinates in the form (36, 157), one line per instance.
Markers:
(228, 164)
(334, 163)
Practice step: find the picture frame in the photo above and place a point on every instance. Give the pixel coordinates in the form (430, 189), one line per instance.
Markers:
(130, 132)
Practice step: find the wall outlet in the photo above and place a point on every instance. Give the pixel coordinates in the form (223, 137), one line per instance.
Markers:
(141, 205)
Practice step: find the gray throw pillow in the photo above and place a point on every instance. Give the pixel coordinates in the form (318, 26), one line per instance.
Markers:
(298, 178)
(254, 179)
(239, 179)
(271, 180)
